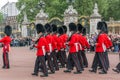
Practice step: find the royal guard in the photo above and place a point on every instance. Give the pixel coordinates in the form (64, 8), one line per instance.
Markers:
(6, 46)
(73, 49)
(81, 44)
(60, 46)
(49, 48)
(85, 61)
(54, 46)
(41, 44)
(65, 38)
(108, 44)
(101, 46)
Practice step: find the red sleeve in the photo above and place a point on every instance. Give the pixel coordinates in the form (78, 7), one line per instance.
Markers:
(109, 42)
(86, 42)
(41, 43)
(100, 40)
(72, 41)
(60, 42)
(81, 41)
(2, 40)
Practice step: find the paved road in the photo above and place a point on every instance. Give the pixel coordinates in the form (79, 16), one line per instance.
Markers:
(22, 63)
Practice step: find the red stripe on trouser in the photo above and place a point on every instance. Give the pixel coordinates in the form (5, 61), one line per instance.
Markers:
(6, 60)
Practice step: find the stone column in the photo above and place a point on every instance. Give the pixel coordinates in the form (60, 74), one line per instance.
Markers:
(94, 19)
(41, 17)
(24, 26)
(70, 15)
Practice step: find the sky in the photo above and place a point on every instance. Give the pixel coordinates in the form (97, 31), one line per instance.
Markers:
(3, 2)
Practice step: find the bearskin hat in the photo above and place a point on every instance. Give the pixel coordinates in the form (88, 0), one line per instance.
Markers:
(8, 30)
(48, 27)
(106, 28)
(72, 27)
(60, 30)
(40, 28)
(54, 28)
(84, 31)
(101, 26)
(65, 28)
(80, 27)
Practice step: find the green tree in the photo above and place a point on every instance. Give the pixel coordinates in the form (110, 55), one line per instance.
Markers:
(1, 17)
(114, 9)
(56, 8)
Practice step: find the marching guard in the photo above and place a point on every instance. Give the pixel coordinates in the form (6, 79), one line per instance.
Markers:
(73, 49)
(40, 60)
(101, 47)
(87, 46)
(54, 46)
(49, 47)
(6, 46)
(81, 44)
(60, 42)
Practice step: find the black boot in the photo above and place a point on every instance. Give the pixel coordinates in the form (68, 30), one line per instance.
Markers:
(45, 75)
(35, 74)
(102, 72)
(78, 72)
(67, 71)
(116, 70)
(51, 72)
(92, 71)
(3, 67)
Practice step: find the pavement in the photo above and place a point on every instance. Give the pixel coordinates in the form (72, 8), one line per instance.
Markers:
(22, 64)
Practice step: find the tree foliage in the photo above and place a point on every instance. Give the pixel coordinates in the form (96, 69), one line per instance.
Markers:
(1, 17)
(56, 8)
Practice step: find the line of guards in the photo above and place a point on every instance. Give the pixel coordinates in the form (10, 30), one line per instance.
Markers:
(52, 42)
(51, 47)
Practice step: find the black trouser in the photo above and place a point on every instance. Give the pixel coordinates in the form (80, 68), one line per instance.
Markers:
(40, 62)
(118, 66)
(64, 56)
(6, 60)
(55, 63)
(95, 61)
(50, 62)
(80, 59)
(61, 58)
(107, 59)
(73, 61)
(85, 61)
(99, 60)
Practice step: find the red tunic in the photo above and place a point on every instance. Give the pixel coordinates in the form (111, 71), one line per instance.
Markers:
(65, 37)
(101, 43)
(81, 42)
(60, 42)
(73, 44)
(108, 41)
(54, 42)
(6, 43)
(41, 47)
(49, 40)
(86, 43)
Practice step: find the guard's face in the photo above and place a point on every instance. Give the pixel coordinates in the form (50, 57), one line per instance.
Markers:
(98, 31)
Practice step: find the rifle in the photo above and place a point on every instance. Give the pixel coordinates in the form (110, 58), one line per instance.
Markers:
(35, 42)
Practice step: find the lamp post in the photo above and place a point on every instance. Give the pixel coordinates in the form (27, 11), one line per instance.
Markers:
(41, 17)
(70, 1)
(41, 4)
